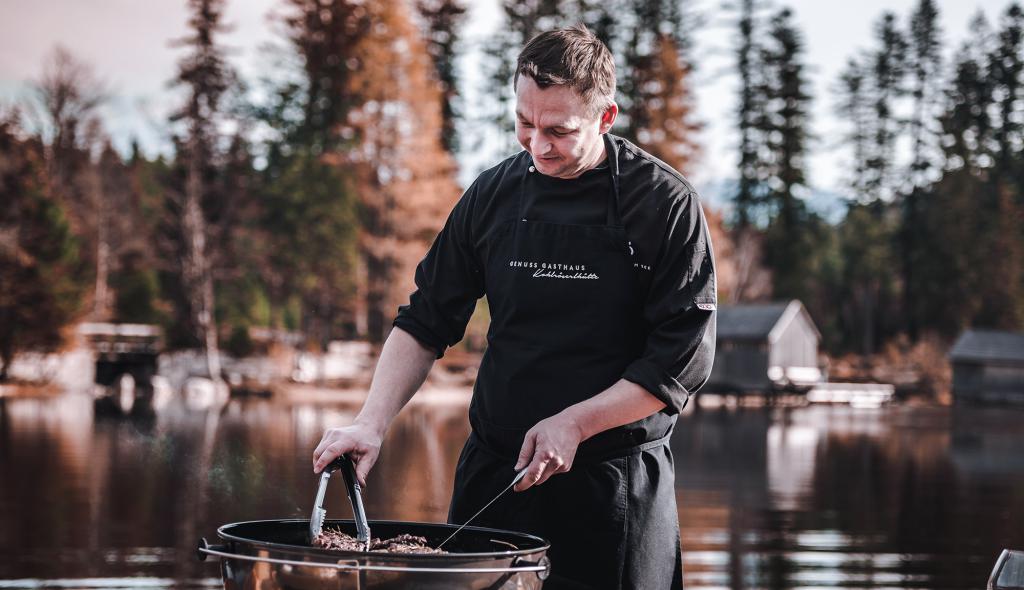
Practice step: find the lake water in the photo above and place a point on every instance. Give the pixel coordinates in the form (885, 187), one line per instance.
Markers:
(900, 497)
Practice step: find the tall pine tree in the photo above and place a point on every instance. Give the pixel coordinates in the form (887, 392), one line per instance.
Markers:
(966, 121)
(206, 77)
(1002, 204)
(924, 64)
(865, 234)
(444, 19)
(1006, 64)
(748, 53)
(784, 124)
(924, 68)
(853, 107)
(887, 66)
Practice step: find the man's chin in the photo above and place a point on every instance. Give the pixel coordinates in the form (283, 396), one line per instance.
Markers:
(549, 167)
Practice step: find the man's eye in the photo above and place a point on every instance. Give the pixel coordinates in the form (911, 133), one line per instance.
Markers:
(560, 133)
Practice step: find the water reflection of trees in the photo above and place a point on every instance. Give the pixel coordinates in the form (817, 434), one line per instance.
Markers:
(768, 498)
(720, 458)
(44, 462)
(110, 497)
(826, 496)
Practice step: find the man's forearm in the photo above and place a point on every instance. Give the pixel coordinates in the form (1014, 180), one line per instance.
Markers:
(622, 403)
(401, 369)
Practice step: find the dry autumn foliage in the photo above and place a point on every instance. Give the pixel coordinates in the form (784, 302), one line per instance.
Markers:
(404, 178)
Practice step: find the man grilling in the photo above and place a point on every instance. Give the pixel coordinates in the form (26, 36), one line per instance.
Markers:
(597, 266)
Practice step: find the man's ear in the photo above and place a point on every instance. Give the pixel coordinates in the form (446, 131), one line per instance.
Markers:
(608, 117)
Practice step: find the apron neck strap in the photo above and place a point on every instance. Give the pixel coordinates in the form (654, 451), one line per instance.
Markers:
(614, 217)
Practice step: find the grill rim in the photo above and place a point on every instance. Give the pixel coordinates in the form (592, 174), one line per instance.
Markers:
(542, 545)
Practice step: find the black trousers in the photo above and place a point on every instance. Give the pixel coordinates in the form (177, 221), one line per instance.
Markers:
(612, 521)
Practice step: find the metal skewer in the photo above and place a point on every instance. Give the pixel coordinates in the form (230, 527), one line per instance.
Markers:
(518, 477)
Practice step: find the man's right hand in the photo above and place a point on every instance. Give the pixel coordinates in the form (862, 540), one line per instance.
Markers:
(403, 365)
(360, 442)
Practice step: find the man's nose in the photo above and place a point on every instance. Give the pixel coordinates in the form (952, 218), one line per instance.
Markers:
(540, 145)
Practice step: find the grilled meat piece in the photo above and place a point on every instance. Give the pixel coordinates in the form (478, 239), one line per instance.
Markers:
(339, 541)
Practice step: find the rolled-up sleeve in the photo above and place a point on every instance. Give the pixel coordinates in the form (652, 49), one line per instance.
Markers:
(449, 280)
(680, 310)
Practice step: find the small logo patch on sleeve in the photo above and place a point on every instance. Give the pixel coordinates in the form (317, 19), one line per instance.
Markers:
(706, 306)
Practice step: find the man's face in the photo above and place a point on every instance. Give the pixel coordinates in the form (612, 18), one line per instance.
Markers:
(552, 124)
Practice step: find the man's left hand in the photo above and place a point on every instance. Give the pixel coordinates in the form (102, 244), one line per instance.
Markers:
(549, 448)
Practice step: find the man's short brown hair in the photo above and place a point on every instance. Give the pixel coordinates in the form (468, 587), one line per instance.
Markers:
(574, 57)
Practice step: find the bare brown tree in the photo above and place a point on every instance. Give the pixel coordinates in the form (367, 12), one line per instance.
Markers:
(69, 95)
(404, 177)
(663, 113)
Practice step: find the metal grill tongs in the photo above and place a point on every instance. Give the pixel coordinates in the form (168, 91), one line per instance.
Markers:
(316, 520)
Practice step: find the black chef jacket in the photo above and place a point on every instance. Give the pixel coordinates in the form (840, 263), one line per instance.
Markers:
(672, 253)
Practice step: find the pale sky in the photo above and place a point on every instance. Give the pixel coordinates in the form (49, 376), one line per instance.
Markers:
(128, 42)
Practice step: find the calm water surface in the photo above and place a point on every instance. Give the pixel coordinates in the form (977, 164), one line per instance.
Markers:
(769, 498)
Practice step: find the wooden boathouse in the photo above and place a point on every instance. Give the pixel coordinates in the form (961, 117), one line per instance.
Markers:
(988, 366)
(765, 347)
(126, 358)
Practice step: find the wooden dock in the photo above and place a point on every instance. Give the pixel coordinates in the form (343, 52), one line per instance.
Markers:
(858, 395)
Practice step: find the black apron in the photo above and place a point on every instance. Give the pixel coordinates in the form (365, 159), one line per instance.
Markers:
(566, 320)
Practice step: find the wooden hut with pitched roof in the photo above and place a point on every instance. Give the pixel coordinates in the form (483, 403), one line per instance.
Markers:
(764, 347)
(988, 366)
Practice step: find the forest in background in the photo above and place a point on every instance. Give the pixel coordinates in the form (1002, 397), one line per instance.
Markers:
(307, 210)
